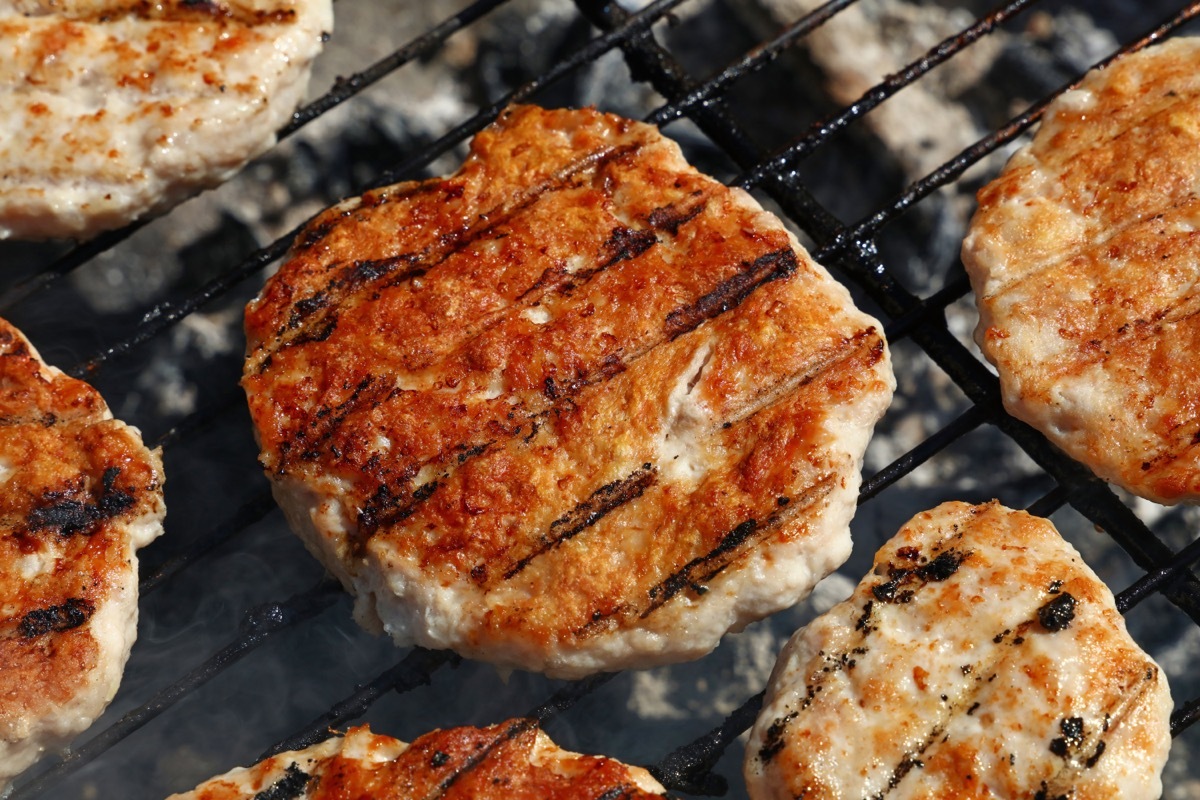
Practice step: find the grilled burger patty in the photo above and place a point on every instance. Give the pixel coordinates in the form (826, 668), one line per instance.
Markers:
(116, 109)
(513, 760)
(1084, 259)
(980, 658)
(79, 493)
(574, 408)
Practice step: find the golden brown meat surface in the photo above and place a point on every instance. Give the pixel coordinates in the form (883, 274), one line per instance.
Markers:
(574, 408)
(1084, 257)
(79, 493)
(115, 109)
(980, 658)
(512, 760)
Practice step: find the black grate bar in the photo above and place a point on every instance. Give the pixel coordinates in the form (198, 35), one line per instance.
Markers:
(930, 446)
(923, 310)
(597, 47)
(1154, 581)
(1050, 502)
(258, 626)
(67, 263)
(346, 88)
(750, 63)
(414, 670)
(342, 91)
(199, 420)
(689, 768)
(246, 515)
(1185, 716)
(169, 313)
(568, 696)
(652, 63)
(821, 131)
(955, 167)
(165, 315)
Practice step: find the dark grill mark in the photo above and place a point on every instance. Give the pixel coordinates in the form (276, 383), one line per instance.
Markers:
(517, 729)
(1094, 757)
(617, 793)
(773, 741)
(439, 759)
(1058, 613)
(864, 622)
(307, 442)
(903, 768)
(900, 588)
(687, 576)
(672, 218)
(704, 568)
(388, 507)
(627, 243)
(56, 619)
(732, 292)
(602, 502)
(69, 517)
(361, 274)
(290, 787)
(189, 9)
(305, 308)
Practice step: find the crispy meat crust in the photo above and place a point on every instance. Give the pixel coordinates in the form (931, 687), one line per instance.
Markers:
(513, 760)
(524, 409)
(118, 108)
(1084, 258)
(979, 658)
(80, 493)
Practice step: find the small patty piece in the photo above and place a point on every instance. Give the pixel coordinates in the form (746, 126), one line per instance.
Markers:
(114, 110)
(513, 760)
(79, 494)
(574, 408)
(980, 658)
(1084, 258)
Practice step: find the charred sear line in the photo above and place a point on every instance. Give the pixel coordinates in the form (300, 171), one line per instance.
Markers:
(70, 517)
(290, 787)
(56, 619)
(732, 292)
(305, 308)
(602, 502)
(626, 243)
(618, 792)
(906, 765)
(188, 9)
(518, 729)
(904, 582)
(774, 742)
(388, 506)
(672, 218)
(306, 443)
(703, 569)
(361, 275)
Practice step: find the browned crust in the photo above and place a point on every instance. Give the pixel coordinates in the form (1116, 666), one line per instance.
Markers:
(511, 760)
(1084, 256)
(579, 262)
(978, 658)
(75, 480)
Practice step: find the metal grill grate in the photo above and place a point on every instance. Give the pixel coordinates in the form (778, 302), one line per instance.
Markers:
(216, 678)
